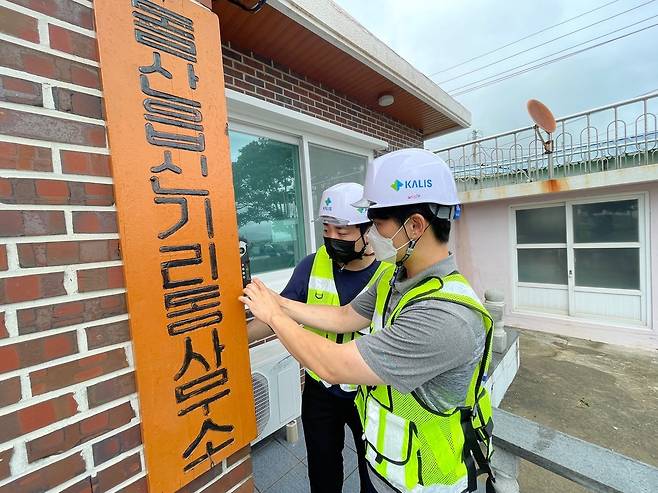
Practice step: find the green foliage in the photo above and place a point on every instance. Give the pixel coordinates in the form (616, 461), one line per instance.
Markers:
(264, 181)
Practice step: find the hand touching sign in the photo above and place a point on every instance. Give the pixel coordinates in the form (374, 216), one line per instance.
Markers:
(262, 301)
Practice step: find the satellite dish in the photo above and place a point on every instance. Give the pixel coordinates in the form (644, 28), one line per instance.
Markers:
(541, 115)
(543, 119)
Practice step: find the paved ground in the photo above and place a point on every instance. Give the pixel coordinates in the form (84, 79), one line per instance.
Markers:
(604, 394)
(280, 467)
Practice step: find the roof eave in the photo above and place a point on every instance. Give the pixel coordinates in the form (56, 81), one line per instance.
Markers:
(335, 26)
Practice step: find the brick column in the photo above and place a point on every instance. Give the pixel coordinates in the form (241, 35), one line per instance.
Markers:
(69, 411)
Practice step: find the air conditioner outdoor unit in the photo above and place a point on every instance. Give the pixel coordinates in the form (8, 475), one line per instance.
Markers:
(276, 382)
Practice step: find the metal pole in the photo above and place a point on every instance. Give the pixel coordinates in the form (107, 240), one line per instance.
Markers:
(550, 156)
(550, 166)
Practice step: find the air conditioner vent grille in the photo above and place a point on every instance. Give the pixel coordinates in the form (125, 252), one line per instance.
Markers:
(261, 400)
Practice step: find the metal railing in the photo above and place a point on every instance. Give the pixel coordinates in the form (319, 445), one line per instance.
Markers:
(617, 136)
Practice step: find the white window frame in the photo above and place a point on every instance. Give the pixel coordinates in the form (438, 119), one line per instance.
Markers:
(325, 144)
(261, 118)
(644, 257)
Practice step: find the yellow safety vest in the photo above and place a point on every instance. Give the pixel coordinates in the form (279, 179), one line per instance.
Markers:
(410, 446)
(322, 291)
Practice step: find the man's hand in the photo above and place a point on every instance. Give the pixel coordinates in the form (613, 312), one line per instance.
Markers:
(262, 301)
(335, 363)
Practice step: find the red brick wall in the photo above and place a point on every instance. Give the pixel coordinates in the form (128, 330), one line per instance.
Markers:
(69, 412)
(251, 74)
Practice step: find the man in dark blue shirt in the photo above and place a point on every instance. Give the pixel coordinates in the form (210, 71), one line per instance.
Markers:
(349, 283)
(339, 271)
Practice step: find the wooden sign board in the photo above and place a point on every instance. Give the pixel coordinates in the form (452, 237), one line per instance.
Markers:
(163, 86)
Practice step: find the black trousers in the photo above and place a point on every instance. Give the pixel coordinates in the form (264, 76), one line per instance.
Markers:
(324, 416)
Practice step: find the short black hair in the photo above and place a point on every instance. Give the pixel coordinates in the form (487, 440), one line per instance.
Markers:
(440, 227)
(363, 227)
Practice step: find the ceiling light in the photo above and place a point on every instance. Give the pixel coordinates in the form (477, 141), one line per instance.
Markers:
(386, 100)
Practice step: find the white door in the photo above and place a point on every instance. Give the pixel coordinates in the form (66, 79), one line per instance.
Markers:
(541, 259)
(606, 264)
(583, 259)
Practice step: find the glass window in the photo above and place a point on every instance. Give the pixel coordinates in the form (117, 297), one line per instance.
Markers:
(268, 198)
(328, 167)
(606, 222)
(613, 268)
(543, 265)
(580, 272)
(543, 225)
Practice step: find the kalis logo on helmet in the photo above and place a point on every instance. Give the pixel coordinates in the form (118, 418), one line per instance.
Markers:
(327, 205)
(397, 185)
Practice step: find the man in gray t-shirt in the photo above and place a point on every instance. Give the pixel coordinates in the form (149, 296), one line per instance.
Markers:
(421, 363)
(446, 341)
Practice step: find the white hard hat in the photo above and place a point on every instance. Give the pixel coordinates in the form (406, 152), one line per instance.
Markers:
(408, 176)
(336, 205)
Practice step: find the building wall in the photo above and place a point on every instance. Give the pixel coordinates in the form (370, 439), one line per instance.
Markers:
(69, 411)
(265, 79)
(483, 245)
(251, 74)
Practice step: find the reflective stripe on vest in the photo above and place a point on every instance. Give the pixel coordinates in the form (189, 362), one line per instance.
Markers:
(322, 291)
(410, 446)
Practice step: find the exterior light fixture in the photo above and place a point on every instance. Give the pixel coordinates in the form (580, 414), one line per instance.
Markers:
(386, 100)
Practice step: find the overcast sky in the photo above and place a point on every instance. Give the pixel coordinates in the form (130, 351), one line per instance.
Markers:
(436, 34)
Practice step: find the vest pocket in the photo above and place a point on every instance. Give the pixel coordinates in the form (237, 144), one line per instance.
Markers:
(387, 435)
(392, 446)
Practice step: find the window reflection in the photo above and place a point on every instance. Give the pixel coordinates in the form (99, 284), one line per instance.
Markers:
(268, 199)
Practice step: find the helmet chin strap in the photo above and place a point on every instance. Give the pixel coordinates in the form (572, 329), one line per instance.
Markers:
(398, 264)
(411, 245)
(365, 245)
(363, 253)
(410, 249)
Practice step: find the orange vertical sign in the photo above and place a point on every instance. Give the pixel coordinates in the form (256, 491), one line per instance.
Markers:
(166, 116)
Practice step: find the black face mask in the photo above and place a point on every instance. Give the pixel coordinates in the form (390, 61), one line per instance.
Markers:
(342, 251)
